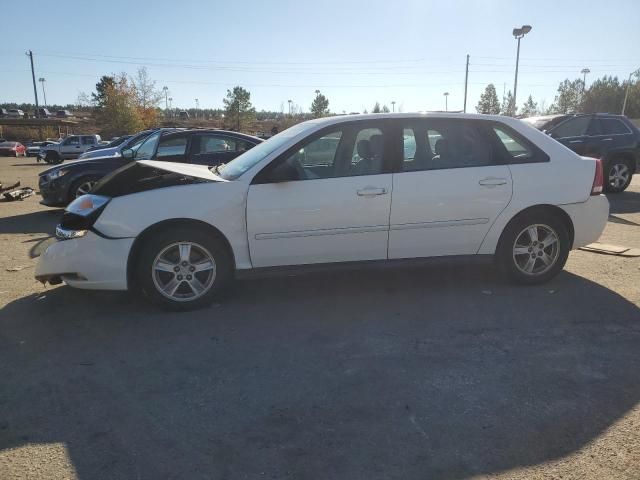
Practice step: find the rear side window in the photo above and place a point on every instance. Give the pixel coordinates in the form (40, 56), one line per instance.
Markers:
(216, 144)
(575, 127)
(172, 147)
(88, 140)
(72, 141)
(516, 148)
(441, 144)
(613, 126)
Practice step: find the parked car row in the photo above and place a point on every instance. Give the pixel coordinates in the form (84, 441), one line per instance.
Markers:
(12, 149)
(61, 185)
(381, 187)
(42, 113)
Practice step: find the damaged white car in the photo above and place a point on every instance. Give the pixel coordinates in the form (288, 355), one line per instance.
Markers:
(340, 189)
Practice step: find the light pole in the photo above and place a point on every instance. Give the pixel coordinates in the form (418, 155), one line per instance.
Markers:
(393, 106)
(44, 94)
(446, 101)
(626, 93)
(289, 107)
(518, 33)
(165, 89)
(197, 107)
(584, 72)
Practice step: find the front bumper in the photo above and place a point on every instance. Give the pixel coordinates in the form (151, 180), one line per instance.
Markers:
(90, 262)
(53, 192)
(589, 219)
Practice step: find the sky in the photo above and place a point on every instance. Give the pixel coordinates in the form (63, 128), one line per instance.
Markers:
(355, 52)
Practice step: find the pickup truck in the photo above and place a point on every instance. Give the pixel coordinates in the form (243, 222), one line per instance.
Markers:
(71, 147)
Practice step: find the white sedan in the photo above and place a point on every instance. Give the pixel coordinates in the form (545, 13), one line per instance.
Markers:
(340, 189)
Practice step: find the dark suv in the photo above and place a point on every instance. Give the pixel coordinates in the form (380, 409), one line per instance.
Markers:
(62, 184)
(613, 138)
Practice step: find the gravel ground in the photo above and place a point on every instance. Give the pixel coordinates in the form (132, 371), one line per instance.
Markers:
(439, 371)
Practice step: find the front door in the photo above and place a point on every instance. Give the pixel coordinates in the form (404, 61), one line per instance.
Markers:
(449, 190)
(331, 206)
(70, 147)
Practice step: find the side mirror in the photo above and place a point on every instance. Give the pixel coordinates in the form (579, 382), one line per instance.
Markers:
(128, 154)
(284, 172)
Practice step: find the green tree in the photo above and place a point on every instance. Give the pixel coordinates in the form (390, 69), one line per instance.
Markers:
(530, 108)
(569, 97)
(238, 108)
(119, 114)
(508, 108)
(606, 94)
(376, 108)
(320, 105)
(489, 102)
(99, 97)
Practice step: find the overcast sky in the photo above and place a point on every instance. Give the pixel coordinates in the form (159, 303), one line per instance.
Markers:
(355, 52)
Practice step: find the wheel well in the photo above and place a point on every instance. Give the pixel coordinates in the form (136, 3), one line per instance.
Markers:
(626, 156)
(544, 209)
(140, 240)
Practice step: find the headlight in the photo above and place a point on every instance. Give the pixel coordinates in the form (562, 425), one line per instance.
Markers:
(57, 174)
(87, 204)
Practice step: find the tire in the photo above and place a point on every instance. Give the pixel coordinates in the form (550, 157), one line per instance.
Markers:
(617, 175)
(81, 187)
(517, 237)
(165, 268)
(52, 158)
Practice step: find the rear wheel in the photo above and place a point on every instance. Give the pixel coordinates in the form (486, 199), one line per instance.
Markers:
(618, 175)
(184, 268)
(533, 248)
(52, 157)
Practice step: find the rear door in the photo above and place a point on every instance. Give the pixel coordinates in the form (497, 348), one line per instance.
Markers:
(87, 141)
(615, 135)
(448, 191)
(214, 148)
(70, 147)
(173, 148)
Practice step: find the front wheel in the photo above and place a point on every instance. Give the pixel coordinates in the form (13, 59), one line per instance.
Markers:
(52, 158)
(618, 175)
(82, 187)
(184, 268)
(533, 248)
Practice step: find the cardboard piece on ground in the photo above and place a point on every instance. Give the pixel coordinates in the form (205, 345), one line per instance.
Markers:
(611, 249)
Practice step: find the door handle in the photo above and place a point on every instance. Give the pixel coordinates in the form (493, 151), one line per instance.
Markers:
(607, 139)
(492, 182)
(371, 191)
(575, 141)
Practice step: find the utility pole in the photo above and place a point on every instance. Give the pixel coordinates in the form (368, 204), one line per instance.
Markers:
(466, 82)
(289, 107)
(33, 77)
(197, 107)
(165, 89)
(446, 101)
(626, 93)
(44, 93)
(393, 106)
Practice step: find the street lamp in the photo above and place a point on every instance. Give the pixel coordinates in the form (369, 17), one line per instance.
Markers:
(626, 93)
(446, 101)
(518, 33)
(584, 72)
(393, 106)
(42, 80)
(197, 107)
(165, 89)
(289, 107)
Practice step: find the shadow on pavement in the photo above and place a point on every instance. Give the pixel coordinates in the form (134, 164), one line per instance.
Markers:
(625, 202)
(36, 222)
(431, 372)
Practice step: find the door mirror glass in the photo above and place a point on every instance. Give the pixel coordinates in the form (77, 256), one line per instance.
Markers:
(128, 154)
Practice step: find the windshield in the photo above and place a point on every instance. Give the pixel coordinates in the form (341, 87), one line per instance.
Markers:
(244, 162)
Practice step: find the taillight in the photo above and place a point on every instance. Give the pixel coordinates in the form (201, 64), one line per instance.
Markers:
(598, 178)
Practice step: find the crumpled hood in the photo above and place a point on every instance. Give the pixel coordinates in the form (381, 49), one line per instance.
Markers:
(198, 171)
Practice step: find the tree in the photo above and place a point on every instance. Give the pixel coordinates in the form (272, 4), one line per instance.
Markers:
(238, 108)
(119, 113)
(530, 108)
(489, 102)
(320, 105)
(508, 108)
(106, 81)
(376, 108)
(147, 97)
(606, 94)
(385, 109)
(569, 97)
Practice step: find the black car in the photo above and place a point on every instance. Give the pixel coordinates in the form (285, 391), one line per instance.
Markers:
(613, 138)
(116, 142)
(61, 184)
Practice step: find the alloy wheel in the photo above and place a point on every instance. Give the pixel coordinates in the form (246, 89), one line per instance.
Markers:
(85, 187)
(536, 249)
(183, 271)
(619, 175)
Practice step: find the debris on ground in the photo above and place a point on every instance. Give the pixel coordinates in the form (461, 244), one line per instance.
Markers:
(18, 194)
(607, 249)
(10, 187)
(18, 268)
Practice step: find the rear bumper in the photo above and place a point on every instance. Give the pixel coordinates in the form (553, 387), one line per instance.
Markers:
(589, 219)
(90, 262)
